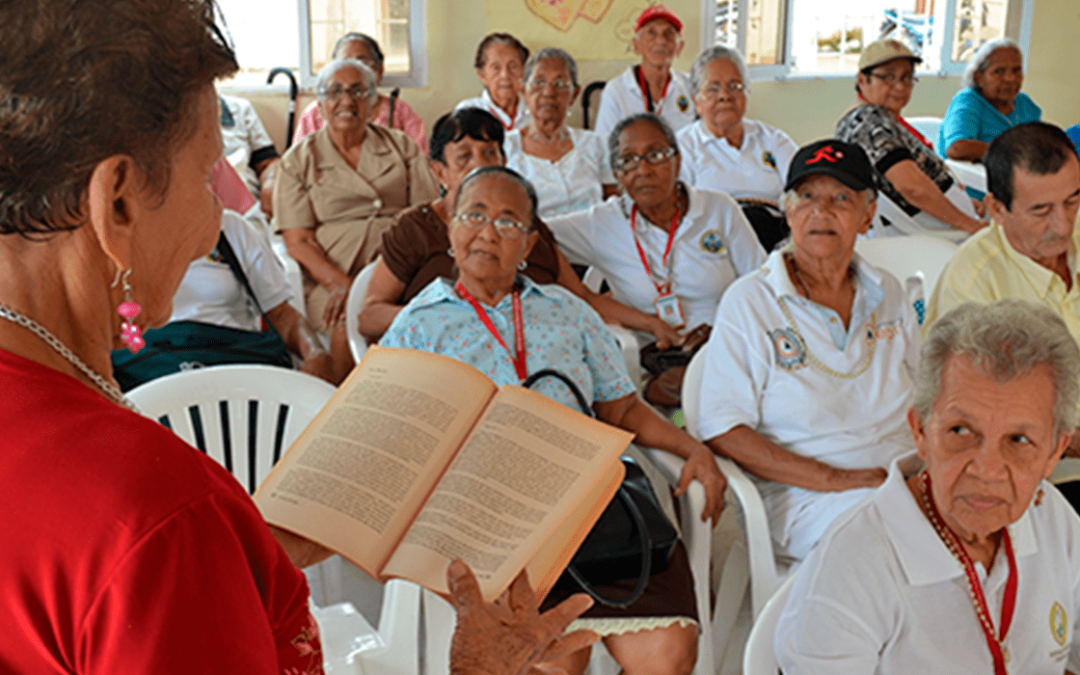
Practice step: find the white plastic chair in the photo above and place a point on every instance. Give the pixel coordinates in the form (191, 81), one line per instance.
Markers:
(1066, 471)
(760, 655)
(357, 344)
(902, 225)
(919, 256)
(245, 417)
(927, 126)
(628, 344)
(292, 273)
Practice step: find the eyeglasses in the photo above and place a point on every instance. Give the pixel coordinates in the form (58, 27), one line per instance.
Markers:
(355, 92)
(506, 227)
(715, 88)
(653, 157)
(890, 79)
(560, 86)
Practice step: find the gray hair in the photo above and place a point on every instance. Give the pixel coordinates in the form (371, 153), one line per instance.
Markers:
(977, 62)
(369, 42)
(789, 197)
(717, 53)
(322, 82)
(1004, 340)
(552, 53)
(657, 121)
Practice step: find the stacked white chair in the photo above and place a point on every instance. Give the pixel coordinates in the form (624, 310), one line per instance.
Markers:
(357, 344)
(760, 655)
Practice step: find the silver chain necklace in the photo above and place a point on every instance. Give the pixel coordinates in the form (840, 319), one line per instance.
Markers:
(37, 329)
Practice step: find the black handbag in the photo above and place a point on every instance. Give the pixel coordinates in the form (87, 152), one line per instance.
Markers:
(633, 536)
(184, 345)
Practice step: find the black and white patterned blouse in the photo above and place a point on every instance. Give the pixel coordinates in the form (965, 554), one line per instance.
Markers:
(886, 143)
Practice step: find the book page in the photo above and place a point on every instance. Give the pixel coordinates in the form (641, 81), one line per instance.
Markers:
(356, 477)
(529, 463)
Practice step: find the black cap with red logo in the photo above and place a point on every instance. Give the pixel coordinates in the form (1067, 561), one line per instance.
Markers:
(845, 162)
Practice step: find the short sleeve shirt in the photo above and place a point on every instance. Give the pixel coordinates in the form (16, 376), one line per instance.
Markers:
(483, 101)
(971, 117)
(760, 372)
(757, 170)
(887, 143)
(573, 183)
(561, 332)
(713, 245)
(882, 594)
(211, 293)
(245, 138)
(416, 249)
(623, 97)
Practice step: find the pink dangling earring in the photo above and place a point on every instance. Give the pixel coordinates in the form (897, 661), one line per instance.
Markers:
(130, 333)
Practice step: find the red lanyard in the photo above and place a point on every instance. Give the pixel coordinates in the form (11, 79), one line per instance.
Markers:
(498, 113)
(982, 608)
(646, 97)
(519, 329)
(662, 289)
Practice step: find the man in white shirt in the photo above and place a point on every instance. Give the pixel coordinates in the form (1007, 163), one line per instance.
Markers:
(654, 86)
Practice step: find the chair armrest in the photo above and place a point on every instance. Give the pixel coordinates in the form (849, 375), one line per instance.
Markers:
(764, 579)
(631, 353)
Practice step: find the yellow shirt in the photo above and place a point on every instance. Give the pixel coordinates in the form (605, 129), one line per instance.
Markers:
(988, 268)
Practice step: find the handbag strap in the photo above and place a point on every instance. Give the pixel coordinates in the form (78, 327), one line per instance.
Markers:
(229, 256)
(551, 372)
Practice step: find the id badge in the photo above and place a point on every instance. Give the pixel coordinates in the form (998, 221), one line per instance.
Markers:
(669, 310)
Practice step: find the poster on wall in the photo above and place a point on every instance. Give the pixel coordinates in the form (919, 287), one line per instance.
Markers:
(598, 30)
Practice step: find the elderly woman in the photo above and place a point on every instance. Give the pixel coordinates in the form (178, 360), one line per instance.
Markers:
(912, 175)
(566, 166)
(989, 102)
(725, 152)
(500, 64)
(389, 111)
(969, 561)
(664, 247)
(340, 189)
(810, 366)
(415, 249)
(491, 236)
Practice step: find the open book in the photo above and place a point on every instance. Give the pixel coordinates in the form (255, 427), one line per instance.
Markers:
(419, 459)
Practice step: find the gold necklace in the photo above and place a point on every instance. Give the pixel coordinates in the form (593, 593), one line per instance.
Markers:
(818, 364)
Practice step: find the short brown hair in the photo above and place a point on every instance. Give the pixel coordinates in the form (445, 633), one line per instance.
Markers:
(83, 80)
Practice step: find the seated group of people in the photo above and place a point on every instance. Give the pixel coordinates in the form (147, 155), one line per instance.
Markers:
(813, 376)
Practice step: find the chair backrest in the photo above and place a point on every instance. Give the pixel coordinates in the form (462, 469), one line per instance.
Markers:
(292, 273)
(244, 416)
(357, 344)
(586, 103)
(759, 658)
(927, 126)
(917, 255)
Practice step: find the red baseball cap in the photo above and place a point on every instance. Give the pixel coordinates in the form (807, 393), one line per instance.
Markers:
(658, 12)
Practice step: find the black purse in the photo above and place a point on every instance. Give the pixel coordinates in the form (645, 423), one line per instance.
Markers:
(184, 345)
(633, 535)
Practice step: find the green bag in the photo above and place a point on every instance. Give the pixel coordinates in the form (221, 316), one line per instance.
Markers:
(184, 345)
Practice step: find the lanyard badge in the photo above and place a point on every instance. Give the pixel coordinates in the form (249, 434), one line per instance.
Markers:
(667, 304)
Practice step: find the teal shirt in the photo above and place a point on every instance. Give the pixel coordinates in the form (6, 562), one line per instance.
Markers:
(971, 117)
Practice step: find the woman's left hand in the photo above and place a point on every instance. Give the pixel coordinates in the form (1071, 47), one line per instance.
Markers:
(701, 466)
(334, 313)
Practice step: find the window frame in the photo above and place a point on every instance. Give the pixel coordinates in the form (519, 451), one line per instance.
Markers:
(944, 15)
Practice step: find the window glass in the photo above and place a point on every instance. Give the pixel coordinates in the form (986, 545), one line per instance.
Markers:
(385, 20)
(764, 29)
(265, 36)
(976, 22)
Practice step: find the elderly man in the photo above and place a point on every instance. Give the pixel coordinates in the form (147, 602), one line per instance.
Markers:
(653, 86)
(968, 561)
(811, 363)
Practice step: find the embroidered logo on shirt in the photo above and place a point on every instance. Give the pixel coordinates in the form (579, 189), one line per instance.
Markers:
(790, 353)
(683, 103)
(1059, 622)
(769, 160)
(215, 256)
(711, 241)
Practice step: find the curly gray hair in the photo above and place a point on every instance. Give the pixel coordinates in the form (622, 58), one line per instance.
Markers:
(552, 53)
(977, 62)
(716, 53)
(1004, 340)
(322, 82)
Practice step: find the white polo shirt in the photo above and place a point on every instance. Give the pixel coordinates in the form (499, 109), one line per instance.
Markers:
(484, 101)
(244, 138)
(759, 374)
(882, 594)
(756, 170)
(210, 293)
(573, 183)
(713, 246)
(622, 97)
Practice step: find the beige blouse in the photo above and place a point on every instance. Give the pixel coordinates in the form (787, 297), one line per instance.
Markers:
(349, 209)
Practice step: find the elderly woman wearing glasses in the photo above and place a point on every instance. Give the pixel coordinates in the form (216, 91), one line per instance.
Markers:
(339, 189)
(499, 321)
(664, 247)
(911, 174)
(723, 151)
(566, 166)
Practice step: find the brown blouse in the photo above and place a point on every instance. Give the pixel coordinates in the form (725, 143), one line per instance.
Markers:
(415, 248)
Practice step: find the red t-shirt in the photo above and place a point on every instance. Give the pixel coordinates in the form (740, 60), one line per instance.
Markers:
(124, 550)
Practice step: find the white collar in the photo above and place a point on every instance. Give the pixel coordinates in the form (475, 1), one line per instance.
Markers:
(695, 208)
(775, 271)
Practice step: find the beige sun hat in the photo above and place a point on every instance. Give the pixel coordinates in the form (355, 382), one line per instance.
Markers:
(879, 52)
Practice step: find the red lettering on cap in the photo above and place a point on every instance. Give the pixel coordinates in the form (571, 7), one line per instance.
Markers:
(827, 153)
